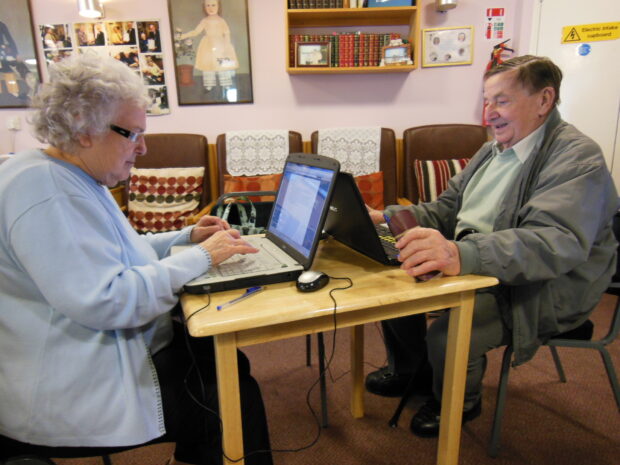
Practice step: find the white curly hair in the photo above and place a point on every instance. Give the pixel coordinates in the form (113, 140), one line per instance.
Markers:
(82, 97)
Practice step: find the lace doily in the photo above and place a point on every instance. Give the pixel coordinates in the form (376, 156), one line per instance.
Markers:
(357, 148)
(256, 152)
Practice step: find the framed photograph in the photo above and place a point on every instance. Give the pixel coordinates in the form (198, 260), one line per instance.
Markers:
(447, 46)
(20, 73)
(313, 54)
(396, 55)
(211, 51)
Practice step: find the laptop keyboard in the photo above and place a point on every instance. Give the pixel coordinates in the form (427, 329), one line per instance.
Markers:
(387, 240)
(250, 263)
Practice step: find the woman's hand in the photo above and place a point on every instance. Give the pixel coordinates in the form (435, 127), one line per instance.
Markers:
(375, 215)
(206, 227)
(423, 250)
(225, 244)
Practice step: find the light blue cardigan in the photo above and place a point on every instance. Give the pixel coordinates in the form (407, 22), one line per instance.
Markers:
(84, 301)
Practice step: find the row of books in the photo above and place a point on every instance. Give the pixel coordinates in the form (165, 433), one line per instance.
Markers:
(347, 49)
(310, 4)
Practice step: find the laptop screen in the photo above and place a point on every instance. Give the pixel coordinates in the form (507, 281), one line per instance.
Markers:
(300, 205)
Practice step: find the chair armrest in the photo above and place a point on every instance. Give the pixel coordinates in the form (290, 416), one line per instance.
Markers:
(205, 211)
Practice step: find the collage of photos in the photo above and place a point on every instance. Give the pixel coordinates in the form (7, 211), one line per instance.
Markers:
(135, 43)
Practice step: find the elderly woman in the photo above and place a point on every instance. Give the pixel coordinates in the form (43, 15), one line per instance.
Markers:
(89, 355)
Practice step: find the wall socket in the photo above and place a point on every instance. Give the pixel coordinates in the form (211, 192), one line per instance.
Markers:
(14, 123)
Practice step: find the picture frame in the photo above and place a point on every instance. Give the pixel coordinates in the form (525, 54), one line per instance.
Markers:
(395, 55)
(20, 72)
(314, 54)
(209, 72)
(447, 46)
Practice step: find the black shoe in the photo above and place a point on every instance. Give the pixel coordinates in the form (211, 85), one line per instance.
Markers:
(383, 382)
(425, 423)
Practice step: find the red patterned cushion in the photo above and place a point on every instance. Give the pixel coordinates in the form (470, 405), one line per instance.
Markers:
(161, 198)
(432, 176)
(371, 188)
(267, 182)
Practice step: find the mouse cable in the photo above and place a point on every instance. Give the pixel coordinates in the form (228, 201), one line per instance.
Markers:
(331, 296)
(371, 365)
(325, 369)
(202, 401)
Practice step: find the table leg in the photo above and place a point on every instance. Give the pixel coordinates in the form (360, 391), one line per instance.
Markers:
(229, 397)
(455, 373)
(357, 371)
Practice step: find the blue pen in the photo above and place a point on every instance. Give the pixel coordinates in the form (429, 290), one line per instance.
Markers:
(250, 291)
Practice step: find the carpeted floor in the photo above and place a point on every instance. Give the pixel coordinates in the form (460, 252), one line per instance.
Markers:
(546, 422)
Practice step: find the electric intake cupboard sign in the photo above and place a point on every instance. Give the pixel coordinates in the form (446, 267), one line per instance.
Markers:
(590, 32)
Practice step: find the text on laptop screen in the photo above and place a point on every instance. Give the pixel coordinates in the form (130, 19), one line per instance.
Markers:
(297, 210)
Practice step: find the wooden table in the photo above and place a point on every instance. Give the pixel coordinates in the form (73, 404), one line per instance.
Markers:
(378, 293)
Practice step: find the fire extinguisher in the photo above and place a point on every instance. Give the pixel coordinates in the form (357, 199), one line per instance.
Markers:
(496, 59)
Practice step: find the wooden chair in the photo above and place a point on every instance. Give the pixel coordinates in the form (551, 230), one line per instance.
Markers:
(221, 171)
(388, 166)
(294, 142)
(387, 162)
(437, 142)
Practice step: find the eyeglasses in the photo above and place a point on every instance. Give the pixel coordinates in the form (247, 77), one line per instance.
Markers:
(132, 136)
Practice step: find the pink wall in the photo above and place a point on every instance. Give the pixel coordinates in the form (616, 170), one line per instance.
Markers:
(307, 102)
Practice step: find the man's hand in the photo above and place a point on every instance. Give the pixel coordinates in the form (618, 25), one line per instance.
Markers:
(423, 250)
(206, 227)
(225, 244)
(375, 215)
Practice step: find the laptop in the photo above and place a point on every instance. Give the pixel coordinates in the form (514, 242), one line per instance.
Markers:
(292, 234)
(348, 222)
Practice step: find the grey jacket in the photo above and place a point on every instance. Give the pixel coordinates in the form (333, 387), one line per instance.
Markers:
(552, 247)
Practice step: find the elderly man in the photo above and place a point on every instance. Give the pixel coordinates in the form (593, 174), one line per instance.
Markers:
(533, 208)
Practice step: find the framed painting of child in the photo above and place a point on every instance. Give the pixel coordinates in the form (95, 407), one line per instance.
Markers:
(212, 51)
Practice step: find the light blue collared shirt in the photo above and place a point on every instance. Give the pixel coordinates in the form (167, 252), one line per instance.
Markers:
(486, 189)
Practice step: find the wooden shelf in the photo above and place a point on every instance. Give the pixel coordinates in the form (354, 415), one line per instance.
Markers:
(300, 19)
(402, 15)
(351, 70)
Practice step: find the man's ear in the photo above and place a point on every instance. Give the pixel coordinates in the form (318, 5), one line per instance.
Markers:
(547, 101)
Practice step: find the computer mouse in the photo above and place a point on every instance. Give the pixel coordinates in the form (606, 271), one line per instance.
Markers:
(311, 280)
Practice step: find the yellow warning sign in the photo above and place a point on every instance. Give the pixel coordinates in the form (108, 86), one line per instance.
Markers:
(590, 32)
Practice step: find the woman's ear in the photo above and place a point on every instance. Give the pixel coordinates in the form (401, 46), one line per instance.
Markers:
(85, 140)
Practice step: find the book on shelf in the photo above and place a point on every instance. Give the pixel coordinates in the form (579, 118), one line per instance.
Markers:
(347, 49)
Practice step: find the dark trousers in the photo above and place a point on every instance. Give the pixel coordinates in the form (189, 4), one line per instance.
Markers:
(408, 342)
(192, 423)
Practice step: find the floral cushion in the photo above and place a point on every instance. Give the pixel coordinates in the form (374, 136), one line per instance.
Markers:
(432, 176)
(267, 182)
(161, 198)
(371, 188)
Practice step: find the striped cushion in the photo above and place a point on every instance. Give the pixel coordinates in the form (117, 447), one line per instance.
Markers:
(432, 176)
